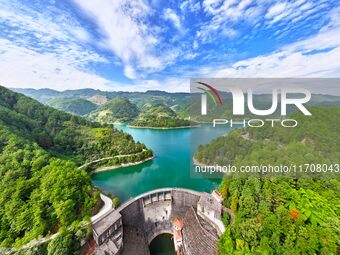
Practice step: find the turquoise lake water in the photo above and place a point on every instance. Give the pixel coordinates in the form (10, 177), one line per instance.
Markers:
(173, 150)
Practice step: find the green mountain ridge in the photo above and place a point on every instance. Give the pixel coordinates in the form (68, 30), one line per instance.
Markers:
(138, 98)
(42, 188)
(78, 106)
(184, 104)
(158, 115)
(118, 109)
(113, 108)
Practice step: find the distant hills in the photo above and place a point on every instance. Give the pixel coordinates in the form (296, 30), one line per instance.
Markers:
(118, 109)
(110, 107)
(95, 105)
(78, 106)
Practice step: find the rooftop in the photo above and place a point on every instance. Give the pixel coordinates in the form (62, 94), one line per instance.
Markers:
(177, 222)
(197, 239)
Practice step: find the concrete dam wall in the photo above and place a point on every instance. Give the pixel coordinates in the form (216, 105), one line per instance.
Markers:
(130, 228)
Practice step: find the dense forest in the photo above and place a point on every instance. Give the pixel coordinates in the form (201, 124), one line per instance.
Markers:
(42, 188)
(281, 215)
(183, 104)
(117, 106)
(118, 109)
(78, 106)
(158, 115)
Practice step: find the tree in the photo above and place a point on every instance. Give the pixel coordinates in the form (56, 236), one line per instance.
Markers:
(64, 243)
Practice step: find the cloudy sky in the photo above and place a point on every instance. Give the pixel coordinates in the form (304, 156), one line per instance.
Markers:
(160, 44)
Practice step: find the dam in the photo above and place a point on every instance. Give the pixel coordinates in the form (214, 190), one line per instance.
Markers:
(192, 218)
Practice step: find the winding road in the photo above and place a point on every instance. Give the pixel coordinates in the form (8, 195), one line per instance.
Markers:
(117, 156)
(107, 206)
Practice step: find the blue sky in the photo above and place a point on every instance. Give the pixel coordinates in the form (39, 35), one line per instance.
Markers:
(141, 45)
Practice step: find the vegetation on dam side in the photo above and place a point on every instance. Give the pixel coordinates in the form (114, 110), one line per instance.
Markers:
(281, 215)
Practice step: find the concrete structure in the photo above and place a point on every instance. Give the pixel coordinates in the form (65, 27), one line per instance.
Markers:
(210, 209)
(108, 232)
(130, 228)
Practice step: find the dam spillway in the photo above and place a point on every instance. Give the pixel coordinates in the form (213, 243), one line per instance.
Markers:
(130, 228)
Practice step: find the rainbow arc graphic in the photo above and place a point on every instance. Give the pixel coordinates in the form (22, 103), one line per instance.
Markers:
(212, 92)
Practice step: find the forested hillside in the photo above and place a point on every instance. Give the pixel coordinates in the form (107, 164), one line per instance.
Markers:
(78, 106)
(158, 115)
(183, 104)
(315, 139)
(281, 215)
(42, 188)
(119, 109)
(109, 101)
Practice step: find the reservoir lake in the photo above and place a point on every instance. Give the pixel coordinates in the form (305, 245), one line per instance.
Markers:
(173, 151)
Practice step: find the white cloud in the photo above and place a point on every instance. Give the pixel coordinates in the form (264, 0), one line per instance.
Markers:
(171, 15)
(43, 26)
(41, 49)
(51, 49)
(195, 45)
(21, 68)
(128, 34)
(190, 6)
(317, 56)
(275, 10)
(225, 16)
(292, 11)
(37, 70)
(130, 72)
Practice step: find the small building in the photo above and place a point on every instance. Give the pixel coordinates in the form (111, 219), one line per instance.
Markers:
(217, 195)
(210, 209)
(177, 225)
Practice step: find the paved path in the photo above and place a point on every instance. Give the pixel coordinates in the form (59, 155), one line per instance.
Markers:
(107, 206)
(117, 156)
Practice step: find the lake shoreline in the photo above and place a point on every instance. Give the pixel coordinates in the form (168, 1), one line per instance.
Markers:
(196, 162)
(115, 167)
(170, 166)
